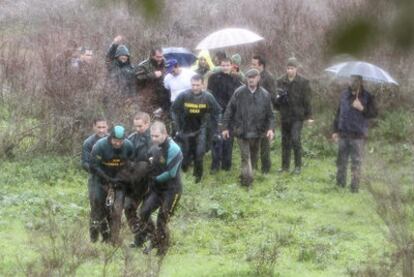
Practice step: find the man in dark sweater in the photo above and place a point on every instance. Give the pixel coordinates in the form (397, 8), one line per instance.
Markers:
(194, 112)
(356, 106)
(249, 114)
(222, 85)
(267, 82)
(141, 142)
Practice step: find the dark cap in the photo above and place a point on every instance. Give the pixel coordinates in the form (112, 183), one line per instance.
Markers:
(252, 72)
(170, 65)
(292, 61)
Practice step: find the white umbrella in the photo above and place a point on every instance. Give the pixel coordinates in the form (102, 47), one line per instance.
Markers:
(228, 37)
(368, 71)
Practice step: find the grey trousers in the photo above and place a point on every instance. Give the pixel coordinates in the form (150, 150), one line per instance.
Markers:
(249, 149)
(354, 148)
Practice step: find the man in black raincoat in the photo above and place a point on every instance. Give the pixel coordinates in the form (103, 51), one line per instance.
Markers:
(249, 114)
(121, 73)
(294, 103)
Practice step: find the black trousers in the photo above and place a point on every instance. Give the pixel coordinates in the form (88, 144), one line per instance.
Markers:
(99, 215)
(166, 200)
(265, 155)
(221, 153)
(194, 148)
(291, 138)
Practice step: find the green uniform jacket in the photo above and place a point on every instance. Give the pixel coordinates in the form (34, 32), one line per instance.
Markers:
(107, 161)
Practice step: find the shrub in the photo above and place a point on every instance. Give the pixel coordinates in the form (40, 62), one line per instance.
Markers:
(395, 126)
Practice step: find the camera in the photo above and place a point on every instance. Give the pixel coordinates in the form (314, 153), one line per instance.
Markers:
(282, 96)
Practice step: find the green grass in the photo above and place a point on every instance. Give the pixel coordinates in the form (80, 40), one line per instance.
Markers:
(316, 228)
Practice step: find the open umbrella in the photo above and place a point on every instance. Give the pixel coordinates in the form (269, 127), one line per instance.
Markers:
(228, 37)
(368, 71)
(183, 56)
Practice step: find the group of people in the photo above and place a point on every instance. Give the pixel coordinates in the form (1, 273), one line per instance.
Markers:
(203, 110)
(137, 174)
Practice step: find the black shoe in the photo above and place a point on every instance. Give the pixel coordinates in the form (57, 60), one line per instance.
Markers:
(354, 189)
(161, 251)
(197, 179)
(341, 185)
(93, 235)
(265, 171)
(214, 170)
(106, 237)
(139, 241)
(133, 245)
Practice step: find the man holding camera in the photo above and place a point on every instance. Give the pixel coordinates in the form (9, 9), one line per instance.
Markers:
(294, 104)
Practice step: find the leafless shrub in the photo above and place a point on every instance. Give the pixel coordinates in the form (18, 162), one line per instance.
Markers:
(393, 197)
(39, 86)
(61, 251)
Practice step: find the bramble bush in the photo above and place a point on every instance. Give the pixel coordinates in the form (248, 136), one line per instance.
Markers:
(45, 108)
